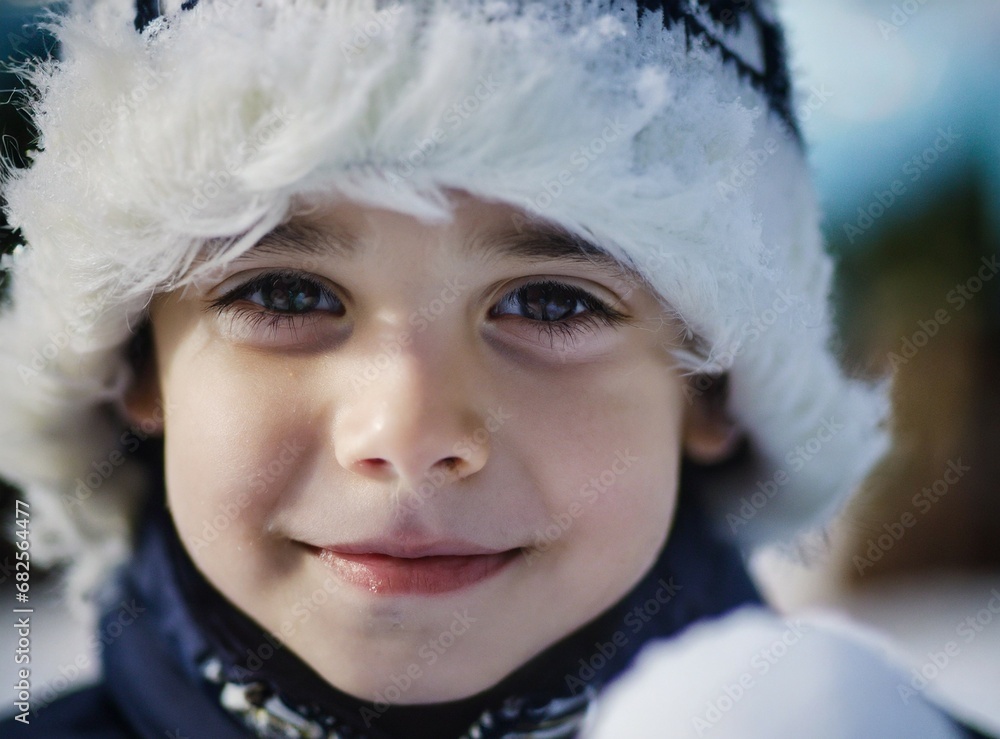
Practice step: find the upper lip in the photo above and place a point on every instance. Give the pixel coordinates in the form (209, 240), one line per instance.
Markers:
(413, 550)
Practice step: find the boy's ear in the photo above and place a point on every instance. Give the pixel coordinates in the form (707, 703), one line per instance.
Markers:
(710, 436)
(143, 400)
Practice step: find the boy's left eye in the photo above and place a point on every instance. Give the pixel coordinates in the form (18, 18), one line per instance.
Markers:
(549, 302)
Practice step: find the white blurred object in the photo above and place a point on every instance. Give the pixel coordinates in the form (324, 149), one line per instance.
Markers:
(752, 674)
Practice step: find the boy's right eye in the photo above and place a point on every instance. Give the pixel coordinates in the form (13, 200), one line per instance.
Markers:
(287, 293)
(273, 307)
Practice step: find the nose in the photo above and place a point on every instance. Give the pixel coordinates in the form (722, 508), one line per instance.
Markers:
(418, 416)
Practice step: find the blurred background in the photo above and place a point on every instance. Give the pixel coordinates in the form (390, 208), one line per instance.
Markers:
(900, 105)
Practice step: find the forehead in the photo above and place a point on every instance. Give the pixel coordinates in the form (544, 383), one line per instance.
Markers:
(485, 232)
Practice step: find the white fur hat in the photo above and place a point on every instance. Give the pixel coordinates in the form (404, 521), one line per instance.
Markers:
(664, 135)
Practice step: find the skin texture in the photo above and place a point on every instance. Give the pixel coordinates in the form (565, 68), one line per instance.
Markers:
(420, 406)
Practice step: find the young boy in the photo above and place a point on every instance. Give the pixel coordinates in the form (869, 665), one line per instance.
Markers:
(460, 343)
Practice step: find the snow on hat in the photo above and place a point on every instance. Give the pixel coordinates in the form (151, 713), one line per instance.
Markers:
(663, 132)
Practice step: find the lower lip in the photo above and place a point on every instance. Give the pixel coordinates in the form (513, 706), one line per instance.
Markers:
(385, 575)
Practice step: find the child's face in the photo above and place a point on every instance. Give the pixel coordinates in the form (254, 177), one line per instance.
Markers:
(344, 416)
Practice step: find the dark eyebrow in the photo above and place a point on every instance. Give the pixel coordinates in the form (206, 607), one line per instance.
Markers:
(303, 239)
(531, 243)
(540, 243)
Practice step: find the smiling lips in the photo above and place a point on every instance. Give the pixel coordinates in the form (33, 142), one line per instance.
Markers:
(431, 570)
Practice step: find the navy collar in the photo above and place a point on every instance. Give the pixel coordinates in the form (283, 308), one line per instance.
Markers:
(187, 624)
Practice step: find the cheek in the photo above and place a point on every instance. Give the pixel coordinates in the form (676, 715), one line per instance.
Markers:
(230, 453)
(627, 507)
(613, 490)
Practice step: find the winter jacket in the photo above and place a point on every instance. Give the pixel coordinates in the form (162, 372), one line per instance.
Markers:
(154, 684)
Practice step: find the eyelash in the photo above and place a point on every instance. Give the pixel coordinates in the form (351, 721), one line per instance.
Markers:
(598, 312)
(259, 317)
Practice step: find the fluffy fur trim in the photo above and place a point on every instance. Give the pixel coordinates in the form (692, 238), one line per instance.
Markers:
(710, 681)
(216, 121)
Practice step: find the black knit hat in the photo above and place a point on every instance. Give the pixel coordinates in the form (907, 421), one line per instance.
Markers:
(768, 74)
